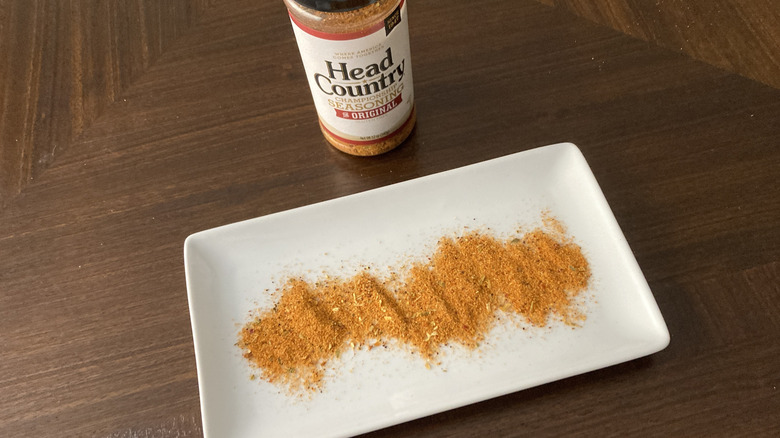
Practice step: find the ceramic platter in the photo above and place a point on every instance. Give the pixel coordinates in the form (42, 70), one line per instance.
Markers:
(230, 270)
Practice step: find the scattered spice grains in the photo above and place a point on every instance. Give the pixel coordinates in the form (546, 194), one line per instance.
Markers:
(452, 298)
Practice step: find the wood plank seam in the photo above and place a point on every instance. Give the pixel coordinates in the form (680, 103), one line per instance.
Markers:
(64, 63)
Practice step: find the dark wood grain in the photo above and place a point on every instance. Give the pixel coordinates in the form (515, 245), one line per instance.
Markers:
(738, 36)
(94, 328)
(63, 62)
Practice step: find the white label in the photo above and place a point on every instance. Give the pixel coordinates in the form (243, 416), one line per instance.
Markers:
(361, 83)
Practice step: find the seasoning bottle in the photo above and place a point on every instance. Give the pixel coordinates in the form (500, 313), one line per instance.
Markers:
(357, 60)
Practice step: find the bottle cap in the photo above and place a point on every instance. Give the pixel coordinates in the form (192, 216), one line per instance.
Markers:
(335, 5)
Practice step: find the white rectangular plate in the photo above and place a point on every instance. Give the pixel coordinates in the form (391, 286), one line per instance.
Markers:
(230, 270)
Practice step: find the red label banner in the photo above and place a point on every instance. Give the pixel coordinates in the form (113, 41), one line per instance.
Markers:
(369, 114)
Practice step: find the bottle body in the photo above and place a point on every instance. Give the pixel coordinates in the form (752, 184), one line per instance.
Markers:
(358, 65)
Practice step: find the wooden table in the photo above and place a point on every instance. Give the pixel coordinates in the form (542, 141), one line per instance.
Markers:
(127, 125)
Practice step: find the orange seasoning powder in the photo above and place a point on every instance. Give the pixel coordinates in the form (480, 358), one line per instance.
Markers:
(454, 297)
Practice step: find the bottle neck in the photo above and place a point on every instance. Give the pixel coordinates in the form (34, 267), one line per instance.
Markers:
(334, 5)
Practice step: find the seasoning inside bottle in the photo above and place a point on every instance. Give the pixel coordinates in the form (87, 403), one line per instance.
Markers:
(357, 59)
